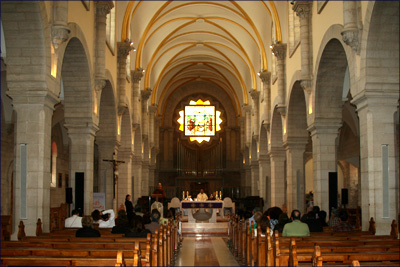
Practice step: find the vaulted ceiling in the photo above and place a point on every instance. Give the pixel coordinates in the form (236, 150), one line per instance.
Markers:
(225, 43)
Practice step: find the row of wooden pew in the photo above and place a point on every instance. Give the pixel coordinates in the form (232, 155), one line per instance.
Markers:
(339, 249)
(62, 248)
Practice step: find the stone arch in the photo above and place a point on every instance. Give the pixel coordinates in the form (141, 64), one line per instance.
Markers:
(377, 103)
(106, 140)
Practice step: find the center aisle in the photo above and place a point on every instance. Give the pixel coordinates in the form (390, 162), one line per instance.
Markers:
(205, 251)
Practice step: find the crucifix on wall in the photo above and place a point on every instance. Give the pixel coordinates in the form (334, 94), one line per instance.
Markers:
(115, 164)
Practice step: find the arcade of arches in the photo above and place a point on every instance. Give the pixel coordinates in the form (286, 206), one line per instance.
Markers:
(308, 92)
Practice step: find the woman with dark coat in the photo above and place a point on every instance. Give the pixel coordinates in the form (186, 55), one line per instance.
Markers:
(129, 208)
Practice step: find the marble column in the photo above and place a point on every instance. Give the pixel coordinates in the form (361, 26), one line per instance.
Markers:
(81, 158)
(295, 173)
(102, 9)
(106, 149)
(124, 48)
(265, 77)
(32, 159)
(351, 33)
(278, 194)
(255, 95)
(303, 10)
(279, 50)
(137, 177)
(378, 159)
(124, 183)
(324, 160)
(136, 107)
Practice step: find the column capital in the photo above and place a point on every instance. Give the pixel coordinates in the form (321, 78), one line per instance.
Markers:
(306, 85)
(279, 50)
(136, 75)
(103, 8)
(265, 76)
(294, 143)
(146, 94)
(59, 35)
(44, 97)
(124, 48)
(246, 108)
(352, 38)
(74, 128)
(153, 109)
(302, 8)
(100, 83)
(255, 95)
(328, 126)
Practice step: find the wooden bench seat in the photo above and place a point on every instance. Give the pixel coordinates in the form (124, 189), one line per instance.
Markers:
(51, 261)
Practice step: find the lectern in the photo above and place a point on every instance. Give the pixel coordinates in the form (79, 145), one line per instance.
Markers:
(156, 196)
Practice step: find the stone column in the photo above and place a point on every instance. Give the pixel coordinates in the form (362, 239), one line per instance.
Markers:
(124, 48)
(264, 172)
(157, 122)
(124, 183)
(81, 158)
(228, 146)
(277, 156)
(279, 50)
(247, 110)
(145, 116)
(170, 132)
(136, 77)
(255, 95)
(324, 160)
(145, 176)
(59, 30)
(378, 159)
(266, 80)
(152, 115)
(32, 135)
(137, 177)
(295, 173)
(351, 34)
(303, 10)
(242, 123)
(255, 177)
(102, 9)
(106, 149)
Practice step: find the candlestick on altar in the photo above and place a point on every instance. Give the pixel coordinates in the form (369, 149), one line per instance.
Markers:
(187, 194)
(183, 195)
(220, 195)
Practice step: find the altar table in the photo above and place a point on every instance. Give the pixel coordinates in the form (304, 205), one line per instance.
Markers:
(202, 205)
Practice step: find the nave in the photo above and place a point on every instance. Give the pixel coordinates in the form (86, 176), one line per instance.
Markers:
(205, 251)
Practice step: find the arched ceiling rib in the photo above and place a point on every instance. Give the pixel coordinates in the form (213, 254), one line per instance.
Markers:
(221, 42)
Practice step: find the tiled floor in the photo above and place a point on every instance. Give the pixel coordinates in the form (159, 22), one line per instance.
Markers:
(205, 251)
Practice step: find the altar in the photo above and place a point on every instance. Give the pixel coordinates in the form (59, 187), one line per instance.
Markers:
(202, 210)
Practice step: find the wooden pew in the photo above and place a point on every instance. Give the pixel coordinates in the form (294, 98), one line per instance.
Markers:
(5, 227)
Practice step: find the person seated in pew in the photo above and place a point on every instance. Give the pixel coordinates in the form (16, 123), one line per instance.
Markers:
(283, 219)
(313, 223)
(105, 218)
(137, 229)
(87, 229)
(322, 218)
(167, 215)
(155, 218)
(343, 225)
(121, 223)
(334, 220)
(264, 224)
(75, 221)
(296, 227)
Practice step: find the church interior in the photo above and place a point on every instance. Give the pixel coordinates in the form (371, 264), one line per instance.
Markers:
(279, 103)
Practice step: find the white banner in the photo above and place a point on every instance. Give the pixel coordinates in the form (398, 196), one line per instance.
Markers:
(99, 201)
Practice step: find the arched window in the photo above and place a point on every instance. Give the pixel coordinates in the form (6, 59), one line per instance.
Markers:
(53, 165)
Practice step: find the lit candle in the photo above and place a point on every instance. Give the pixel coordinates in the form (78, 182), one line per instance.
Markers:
(220, 195)
(183, 196)
(187, 194)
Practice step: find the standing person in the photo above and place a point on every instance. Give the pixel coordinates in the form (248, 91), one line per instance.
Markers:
(160, 191)
(75, 221)
(87, 228)
(296, 227)
(129, 207)
(202, 196)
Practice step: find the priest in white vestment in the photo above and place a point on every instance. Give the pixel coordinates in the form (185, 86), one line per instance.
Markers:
(202, 196)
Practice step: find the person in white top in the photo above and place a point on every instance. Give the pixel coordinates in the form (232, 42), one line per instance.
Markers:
(105, 218)
(202, 196)
(74, 221)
